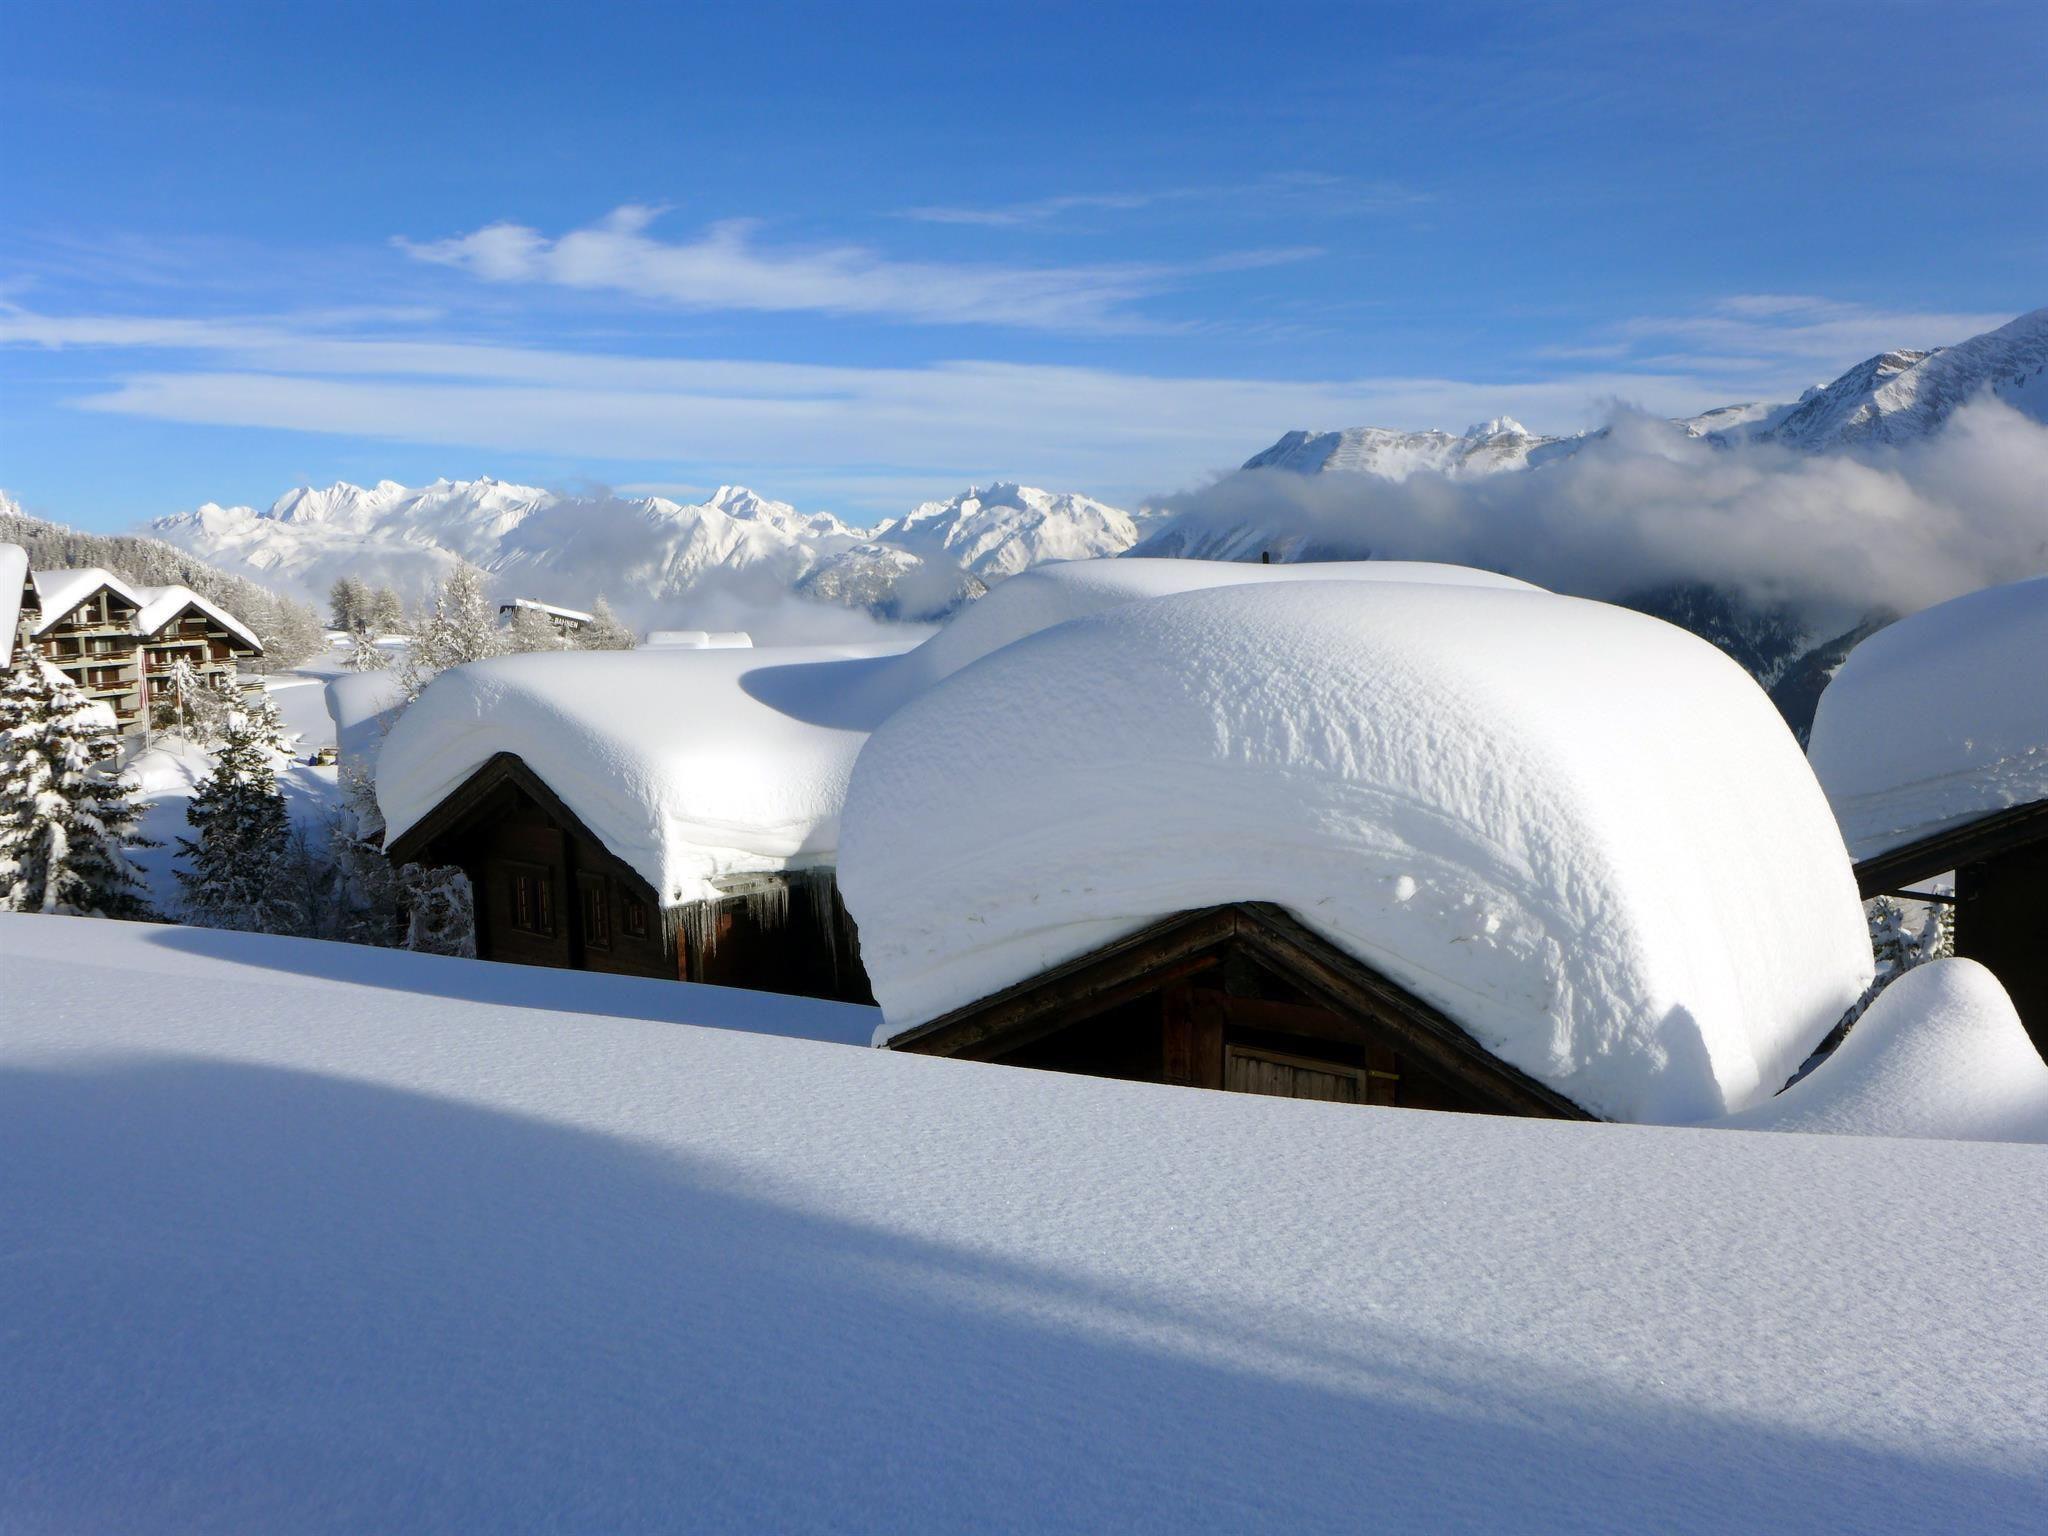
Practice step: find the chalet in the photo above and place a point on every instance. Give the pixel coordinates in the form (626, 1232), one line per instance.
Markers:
(658, 813)
(177, 624)
(1932, 744)
(1424, 842)
(567, 621)
(118, 642)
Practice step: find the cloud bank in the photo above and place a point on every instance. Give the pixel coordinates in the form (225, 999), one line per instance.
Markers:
(1833, 535)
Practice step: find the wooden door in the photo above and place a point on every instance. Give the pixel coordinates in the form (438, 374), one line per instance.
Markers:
(1247, 1070)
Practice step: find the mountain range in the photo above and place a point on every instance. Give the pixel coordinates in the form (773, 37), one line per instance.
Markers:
(656, 558)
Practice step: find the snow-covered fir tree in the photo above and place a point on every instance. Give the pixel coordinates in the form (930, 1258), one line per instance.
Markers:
(348, 605)
(259, 705)
(238, 816)
(462, 626)
(184, 703)
(383, 611)
(532, 630)
(364, 654)
(67, 820)
(604, 632)
(365, 887)
(440, 910)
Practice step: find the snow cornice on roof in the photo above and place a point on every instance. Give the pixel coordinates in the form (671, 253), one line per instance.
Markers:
(58, 592)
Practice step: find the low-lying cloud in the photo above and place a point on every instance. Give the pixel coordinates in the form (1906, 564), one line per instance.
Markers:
(1835, 535)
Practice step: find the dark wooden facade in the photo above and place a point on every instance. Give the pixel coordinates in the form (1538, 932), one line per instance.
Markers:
(1244, 998)
(2001, 868)
(548, 892)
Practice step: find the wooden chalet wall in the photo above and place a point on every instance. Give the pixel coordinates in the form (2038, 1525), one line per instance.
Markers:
(1243, 998)
(2001, 868)
(548, 892)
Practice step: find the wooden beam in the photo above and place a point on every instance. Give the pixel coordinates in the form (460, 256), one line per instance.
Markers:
(1999, 832)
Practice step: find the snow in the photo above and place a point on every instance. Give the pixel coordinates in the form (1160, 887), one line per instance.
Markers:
(1483, 449)
(13, 578)
(162, 604)
(692, 766)
(699, 640)
(1940, 1053)
(58, 592)
(363, 706)
(299, 1239)
(1938, 719)
(1582, 833)
(1052, 594)
(699, 764)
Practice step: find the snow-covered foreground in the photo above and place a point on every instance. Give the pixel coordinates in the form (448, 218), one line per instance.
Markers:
(302, 1237)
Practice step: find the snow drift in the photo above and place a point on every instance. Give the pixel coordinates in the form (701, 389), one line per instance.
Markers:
(1582, 833)
(1938, 719)
(306, 1237)
(1940, 1054)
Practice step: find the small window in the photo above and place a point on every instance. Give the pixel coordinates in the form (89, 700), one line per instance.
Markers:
(597, 916)
(633, 918)
(533, 901)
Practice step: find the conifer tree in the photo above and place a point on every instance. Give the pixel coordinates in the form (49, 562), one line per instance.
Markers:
(241, 826)
(604, 632)
(348, 605)
(461, 627)
(440, 910)
(383, 613)
(366, 892)
(364, 654)
(67, 820)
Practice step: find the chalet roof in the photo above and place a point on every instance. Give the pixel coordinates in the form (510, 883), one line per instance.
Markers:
(160, 605)
(1583, 835)
(548, 608)
(689, 765)
(13, 576)
(61, 591)
(1938, 722)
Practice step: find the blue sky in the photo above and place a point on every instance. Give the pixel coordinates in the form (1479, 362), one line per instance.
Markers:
(856, 256)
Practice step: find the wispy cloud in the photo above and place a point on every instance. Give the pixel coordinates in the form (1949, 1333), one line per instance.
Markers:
(1339, 193)
(728, 268)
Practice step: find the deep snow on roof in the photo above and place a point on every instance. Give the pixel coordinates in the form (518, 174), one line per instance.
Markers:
(13, 576)
(1939, 719)
(58, 592)
(690, 765)
(1582, 833)
(312, 1237)
(160, 605)
(699, 759)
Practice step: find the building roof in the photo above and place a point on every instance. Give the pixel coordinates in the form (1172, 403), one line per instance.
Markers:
(160, 605)
(691, 766)
(1583, 835)
(1938, 721)
(548, 608)
(59, 592)
(13, 576)
(697, 759)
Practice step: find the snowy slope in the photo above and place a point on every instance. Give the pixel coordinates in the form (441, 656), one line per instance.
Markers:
(1899, 396)
(292, 1247)
(1484, 449)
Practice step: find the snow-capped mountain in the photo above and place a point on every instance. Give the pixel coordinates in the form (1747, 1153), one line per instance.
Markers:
(1898, 396)
(1002, 529)
(647, 555)
(1485, 449)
